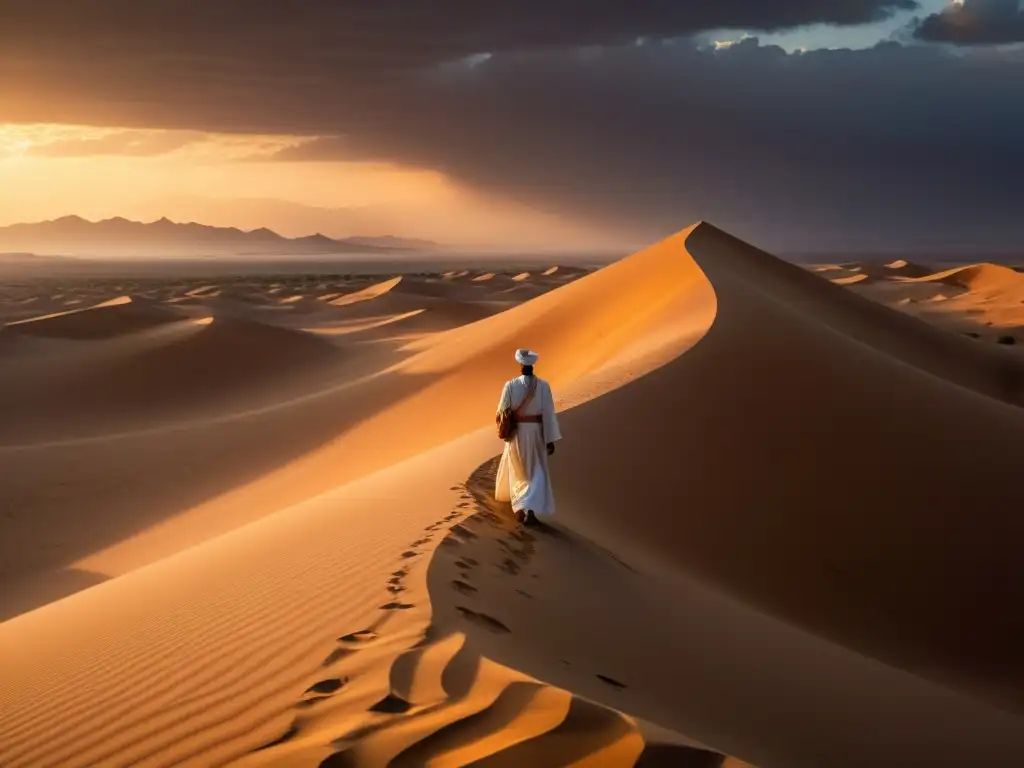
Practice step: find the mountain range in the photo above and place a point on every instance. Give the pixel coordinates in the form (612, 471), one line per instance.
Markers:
(75, 236)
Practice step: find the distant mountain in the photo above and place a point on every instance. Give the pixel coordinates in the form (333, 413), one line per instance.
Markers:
(392, 242)
(75, 236)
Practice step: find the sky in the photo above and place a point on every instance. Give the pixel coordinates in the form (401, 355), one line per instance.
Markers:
(601, 125)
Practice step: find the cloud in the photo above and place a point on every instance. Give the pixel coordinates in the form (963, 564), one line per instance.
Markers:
(877, 148)
(975, 22)
(358, 35)
(123, 143)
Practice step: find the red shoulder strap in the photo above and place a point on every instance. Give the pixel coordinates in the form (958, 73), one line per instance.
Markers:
(529, 395)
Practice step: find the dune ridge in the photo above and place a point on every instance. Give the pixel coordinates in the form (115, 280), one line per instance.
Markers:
(321, 617)
(207, 363)
(848, 362)
(983, 302)
(370, 292)
(975, 277)
(122, 315)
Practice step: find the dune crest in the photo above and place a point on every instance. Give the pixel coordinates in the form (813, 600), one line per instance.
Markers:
(715, 401)
(733, 403)
(976, 277)
(188, 367)
(115, 317)
(372, 292)
(984, 302)
(850, 279)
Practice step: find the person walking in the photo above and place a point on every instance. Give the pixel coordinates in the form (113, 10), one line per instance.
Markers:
(527, 422)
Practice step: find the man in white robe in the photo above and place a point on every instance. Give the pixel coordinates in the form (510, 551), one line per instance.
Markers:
(523, 475)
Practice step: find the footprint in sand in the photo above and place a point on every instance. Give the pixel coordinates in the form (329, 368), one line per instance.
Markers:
(510, 566)
(349, 645)
(463, 587)
(520, 554)
(463, 532)
(331, 685)
(409, 553)
(395, 606)
(525, 594)
(420, 542)
(391, 705)
(358, 638)
(323, 689)
(612, 682)
(485, 621)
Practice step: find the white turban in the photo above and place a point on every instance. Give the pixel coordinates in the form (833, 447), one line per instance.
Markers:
(526, 357)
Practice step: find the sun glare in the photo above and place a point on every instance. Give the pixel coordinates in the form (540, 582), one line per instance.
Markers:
(48, 171)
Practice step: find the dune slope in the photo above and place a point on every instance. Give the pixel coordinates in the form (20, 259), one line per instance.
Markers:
(115, 317)
(738, 422)
(797, 459)
(186, 368)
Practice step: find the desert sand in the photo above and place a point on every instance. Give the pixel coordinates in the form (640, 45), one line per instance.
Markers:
(981, 301)
(250, 522)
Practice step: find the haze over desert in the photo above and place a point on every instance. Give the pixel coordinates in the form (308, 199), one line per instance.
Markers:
(523, 385)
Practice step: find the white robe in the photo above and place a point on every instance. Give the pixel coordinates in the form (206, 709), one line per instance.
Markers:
(523, 476)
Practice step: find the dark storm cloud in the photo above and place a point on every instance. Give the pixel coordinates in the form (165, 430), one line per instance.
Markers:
(876, 148)
(390, 33)
(879, 148)
(976, 22)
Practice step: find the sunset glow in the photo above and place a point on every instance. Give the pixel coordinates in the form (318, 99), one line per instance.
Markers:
(48, 171)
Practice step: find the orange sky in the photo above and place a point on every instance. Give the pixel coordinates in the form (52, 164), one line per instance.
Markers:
(47, 171)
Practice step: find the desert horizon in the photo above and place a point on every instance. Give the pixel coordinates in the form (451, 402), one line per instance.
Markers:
(523, 385)
(264, 463)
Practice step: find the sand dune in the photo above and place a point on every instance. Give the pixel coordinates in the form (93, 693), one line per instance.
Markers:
(115, 317)
(193, 367)
(977, 277)
(204, 291)
(339, 589)
(442, 289)
(851, 279)
(903, 609)
(981, 301)
(372, 292)
(904, 268)
(850, 273)
(523, 291)
(410, 311)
